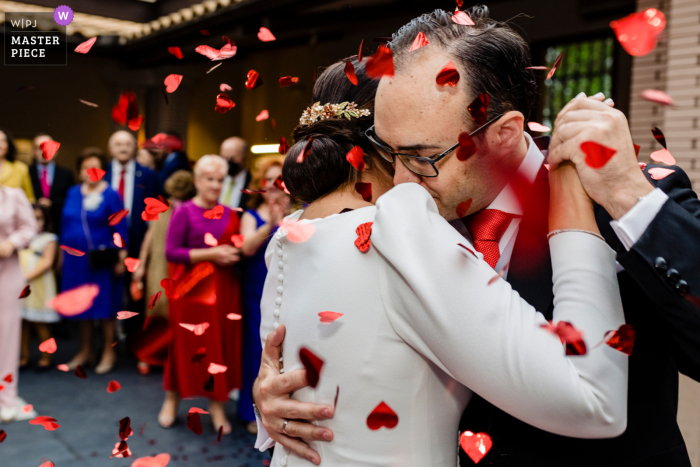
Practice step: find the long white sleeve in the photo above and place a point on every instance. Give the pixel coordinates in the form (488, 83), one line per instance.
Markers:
(488, 338)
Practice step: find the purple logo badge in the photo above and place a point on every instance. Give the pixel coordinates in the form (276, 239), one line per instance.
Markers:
(63, 15)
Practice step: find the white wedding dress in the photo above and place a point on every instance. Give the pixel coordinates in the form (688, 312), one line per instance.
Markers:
(422, 329)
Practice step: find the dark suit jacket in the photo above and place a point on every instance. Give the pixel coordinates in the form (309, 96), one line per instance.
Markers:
(667, 326)
(179, 162)
(62, 180)
(145, 186)
(245, 197)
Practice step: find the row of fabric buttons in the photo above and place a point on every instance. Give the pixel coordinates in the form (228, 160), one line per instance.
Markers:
(280, 288)
(673, 277)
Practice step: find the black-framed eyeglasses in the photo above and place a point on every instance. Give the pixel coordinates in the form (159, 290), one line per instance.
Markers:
(423, 166)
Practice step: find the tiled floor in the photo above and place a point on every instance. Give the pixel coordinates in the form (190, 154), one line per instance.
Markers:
(89, 423)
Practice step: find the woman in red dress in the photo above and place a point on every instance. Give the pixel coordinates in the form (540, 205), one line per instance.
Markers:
(205, 328)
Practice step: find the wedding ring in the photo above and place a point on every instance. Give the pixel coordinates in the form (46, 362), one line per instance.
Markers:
(284, 427)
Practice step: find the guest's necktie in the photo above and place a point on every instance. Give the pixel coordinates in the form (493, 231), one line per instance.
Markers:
(121, 184)
(487, 227)
(45, 188)
(227, 196)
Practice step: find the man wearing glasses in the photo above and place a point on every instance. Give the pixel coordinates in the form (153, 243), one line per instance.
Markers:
(498, 199)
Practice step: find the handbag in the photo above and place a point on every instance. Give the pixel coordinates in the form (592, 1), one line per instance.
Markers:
(98, 258)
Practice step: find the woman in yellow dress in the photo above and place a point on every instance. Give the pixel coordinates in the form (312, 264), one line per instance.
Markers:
(13, 173)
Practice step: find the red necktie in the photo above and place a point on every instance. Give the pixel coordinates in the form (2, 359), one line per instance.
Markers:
(45, 188)
(487, 227)
(121, 184)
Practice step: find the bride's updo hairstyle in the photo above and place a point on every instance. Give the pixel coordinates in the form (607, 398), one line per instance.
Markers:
(326, 169)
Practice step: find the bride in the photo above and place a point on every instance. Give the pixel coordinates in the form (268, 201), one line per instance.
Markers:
(419, 322)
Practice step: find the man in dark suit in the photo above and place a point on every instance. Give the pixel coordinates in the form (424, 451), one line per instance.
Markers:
(235, 151)
(652, 224)
(50, 182)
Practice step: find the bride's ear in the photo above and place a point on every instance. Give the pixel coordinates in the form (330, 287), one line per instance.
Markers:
(509, 131)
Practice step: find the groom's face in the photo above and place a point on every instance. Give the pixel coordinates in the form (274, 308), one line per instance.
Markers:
(414, 115)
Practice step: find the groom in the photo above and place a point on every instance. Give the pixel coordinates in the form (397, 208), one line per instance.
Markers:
(652, 224)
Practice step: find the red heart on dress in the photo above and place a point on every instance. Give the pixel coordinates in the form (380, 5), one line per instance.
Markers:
(597, 155)
(663, 156)
(622, 339)
(215, 213)
(475, 445)
(113, 386)
(312, 364)
(382, 416)
(48, 346)
(117, 217)
(253, 80)
(365, 190)
(467, 146)
(95, 174)
(356, 157)
(237, 240)
(350, 73)
(329, 316)
(462, 18)
(381, 63)
(419, 41)
(49, 148)
(448, 76)
(463, 208)
(265, 35)
(363, 231)
(637, 32)
(161, 460)
(659, 173)
(25, 291)
(132, 264)
(172, 82)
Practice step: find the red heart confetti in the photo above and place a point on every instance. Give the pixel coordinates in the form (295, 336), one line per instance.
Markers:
(237, 240)
(306, 150)
(121, 449)
(658, 97)
(642, 165)
(350, 72)
(117, 239)
(361, 51)
(113, 386)
(622, 339)
(253, 80)
(223, 87)
(155, 206)
(132, 264)
(210, 240)
(161, 460)
(234, 316)
(265, 35)
(637, 148)
(80, 373)
(597, 155)
(125, 428)
(197, 329)
(169, 287)
(557, 62)
(72, 251)
(659, 173)
(135, 123)
(223, 103)
(356, 157)
(329, 316)
(448, 76)
(3, 436)
(84, 47)
(536, 68)
(176, 52)
(637, 32)
(215, 368)
(126, 314)
(63, 367)
(215, 213)
(462, 18)
(478, 108)
(49, 148)
(569, 335)
(47, 464)
(25, 291)
(463, 208)
(538, 127)
(467, 146)
(297, 232)
(664, 156)
(252, 192)
(381, 63)
(365, 190)
(264, 115)
(95, 174)
(363, 231)
(476, 446)
(382, 416)
(419, 41)
(209, 385)
(312, 365)
(287, 81)
(220, 436)
(117, 217)
(284, 147)
(154, 299)
(194, 423)
(48, 346)
(227, 51)
(172, 82)
(126, 109)
(659, 137)
(8, 378)
(197, 410)
(75, 301)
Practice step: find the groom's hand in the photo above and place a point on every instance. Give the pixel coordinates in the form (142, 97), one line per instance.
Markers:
(271, 393)
(618, 185)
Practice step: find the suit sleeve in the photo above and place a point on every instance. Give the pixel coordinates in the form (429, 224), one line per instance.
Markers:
(454, 309)
(665, 262)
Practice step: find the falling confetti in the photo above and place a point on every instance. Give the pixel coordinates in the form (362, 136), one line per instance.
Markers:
(329, 316)
(381, 63)
(265, 35)
(48, 346)
(557, 62)
(215, 368)
(234, 316)
(418, 42)
(25, 291)
(364, 232)
(288, 80)
(49, 148)
(476, 446)
(597, 155)
(356, 158)
(85, 47)
(117, 240)
(569, 335)
(176, 52)
(253, 80)
(659, 137)
(463, 208)
(538, 127)
(223, 103)
(462, 18)
(284, 146)
(382, 416)
(622, 339)
(659, 173)
(126, 314)
(663, 156)
(210, 240)
(154, 299)
(658, 97)
(264, 115)
(479, 108)
(467, 146)
(350, 72)
(306, 150)
(197, 329)
(75, 301)
(113, 386)
(312, 365)
(365, 190)
(90, 104)
(172, 82)
(215, 213)
(194, 423)
(448, 76)
(637, 33)
(116, 218)
(237, 240)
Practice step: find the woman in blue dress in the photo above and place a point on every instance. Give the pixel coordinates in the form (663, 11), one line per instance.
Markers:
(258, 224)
(85, 227)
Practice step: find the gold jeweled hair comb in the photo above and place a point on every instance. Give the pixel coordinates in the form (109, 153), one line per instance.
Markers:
(325, 112)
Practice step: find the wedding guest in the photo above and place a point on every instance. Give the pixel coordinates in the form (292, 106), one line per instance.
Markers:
(153, 266)
(200, 250)
(258, 224)
(86, 228)
(170, 156)
(37, 262)
(17, 228)
(235, 150)
(145, 158)
(13, 173)
(50, 182)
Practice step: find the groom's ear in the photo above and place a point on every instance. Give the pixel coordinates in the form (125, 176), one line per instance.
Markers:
(509, 131)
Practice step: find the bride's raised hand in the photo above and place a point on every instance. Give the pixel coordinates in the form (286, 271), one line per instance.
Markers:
(570, 207)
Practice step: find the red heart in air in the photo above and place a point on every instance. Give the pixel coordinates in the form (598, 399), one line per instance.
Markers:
(113, 386)
(237, 240)
(597, 155)
(475, 445)
(363, 231)
(48, 346)
(637, 32)
(382, 416)
(132, 264)
(161, 460)
(622, 339)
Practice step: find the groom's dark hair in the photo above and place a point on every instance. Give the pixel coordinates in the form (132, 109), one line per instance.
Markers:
(491, 53)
